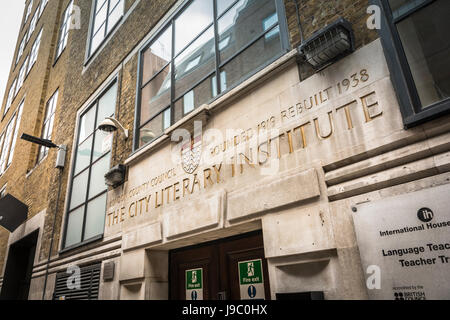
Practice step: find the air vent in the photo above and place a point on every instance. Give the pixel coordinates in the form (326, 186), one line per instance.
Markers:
(90, 282)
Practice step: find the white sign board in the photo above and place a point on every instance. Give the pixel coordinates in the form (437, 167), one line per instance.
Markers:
(194, 284)
(404, 243)
(251, 280)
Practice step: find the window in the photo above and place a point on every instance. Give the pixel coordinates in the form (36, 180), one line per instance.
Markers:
(179, 66)
(30, 6)
(11, 95)
(268, 23)
(3, 191)
(21, 77)
(418, 54)
(21, 48)
(223, 83)
(6, 140)
(16, 133)
(34, 51)
(64, 30)
(87, 201)
(106, 15)
(47, 128)
(194, 62)
(32, 25)
(42, 6)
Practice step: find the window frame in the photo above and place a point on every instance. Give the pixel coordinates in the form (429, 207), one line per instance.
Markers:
(413, 112)
(34, 53)
(33, 24)
(10, 98)
(12, 147)
(5, 143)
(62, 38)
(22, 75)
(21, 49)
(28, 12)
(42, 7)
(170, 23)
(46, 120)
(3, 191)
(68, 209)
(89, 52)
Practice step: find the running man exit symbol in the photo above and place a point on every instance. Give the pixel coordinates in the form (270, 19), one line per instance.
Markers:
(251, 279)
(194, 284)
(250, 269)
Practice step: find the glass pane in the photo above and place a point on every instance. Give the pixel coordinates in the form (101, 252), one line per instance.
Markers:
(268, 23)
(113, 4)
(223, 5)
(157, 56)
(115, 16)
(99, 4)
(102, 145)
(98, 38)
(79, 188)
(151, 130)
(427, 47)
(156, 95)
(400, 7)
(100, 17)
(74, 227)
(7, 143)
(167, 118)
(191, 22)
(188, 102)
(107, 105)
(271, 34)
(2, 139)
(197, 61)
(200, 95)
(52, 103)
(223, 83)
(83, 155)
(16, 132)
(243, 23)
(98, 171)
(87, 124)
(254, 57)
(95, 217)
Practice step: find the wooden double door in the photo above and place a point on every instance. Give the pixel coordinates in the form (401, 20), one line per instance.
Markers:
(218, 263)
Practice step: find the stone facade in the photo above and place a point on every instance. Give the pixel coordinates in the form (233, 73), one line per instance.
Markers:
(335, 148)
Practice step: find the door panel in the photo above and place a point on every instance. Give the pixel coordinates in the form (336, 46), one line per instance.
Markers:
(203, 257)
(233, 258)
(219, 261)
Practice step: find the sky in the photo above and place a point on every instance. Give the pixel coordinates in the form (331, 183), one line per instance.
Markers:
(11, 12)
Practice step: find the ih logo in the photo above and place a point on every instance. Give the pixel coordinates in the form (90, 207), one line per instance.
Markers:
(425, 215)
(191, 154)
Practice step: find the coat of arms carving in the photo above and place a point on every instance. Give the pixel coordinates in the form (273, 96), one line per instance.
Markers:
(191, 154)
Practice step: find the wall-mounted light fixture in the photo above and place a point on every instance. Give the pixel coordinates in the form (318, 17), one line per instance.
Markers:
(62, 149)
(329, 44)
(60, 161)
(112, 125)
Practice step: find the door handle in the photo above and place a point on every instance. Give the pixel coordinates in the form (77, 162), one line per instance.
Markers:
(222, 295)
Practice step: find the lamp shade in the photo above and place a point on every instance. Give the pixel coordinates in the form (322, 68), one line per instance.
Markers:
(328, 44)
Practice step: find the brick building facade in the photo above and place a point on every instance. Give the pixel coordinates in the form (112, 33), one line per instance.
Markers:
(348, 136)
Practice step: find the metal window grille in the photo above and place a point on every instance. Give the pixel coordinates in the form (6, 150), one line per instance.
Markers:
(90, 282)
